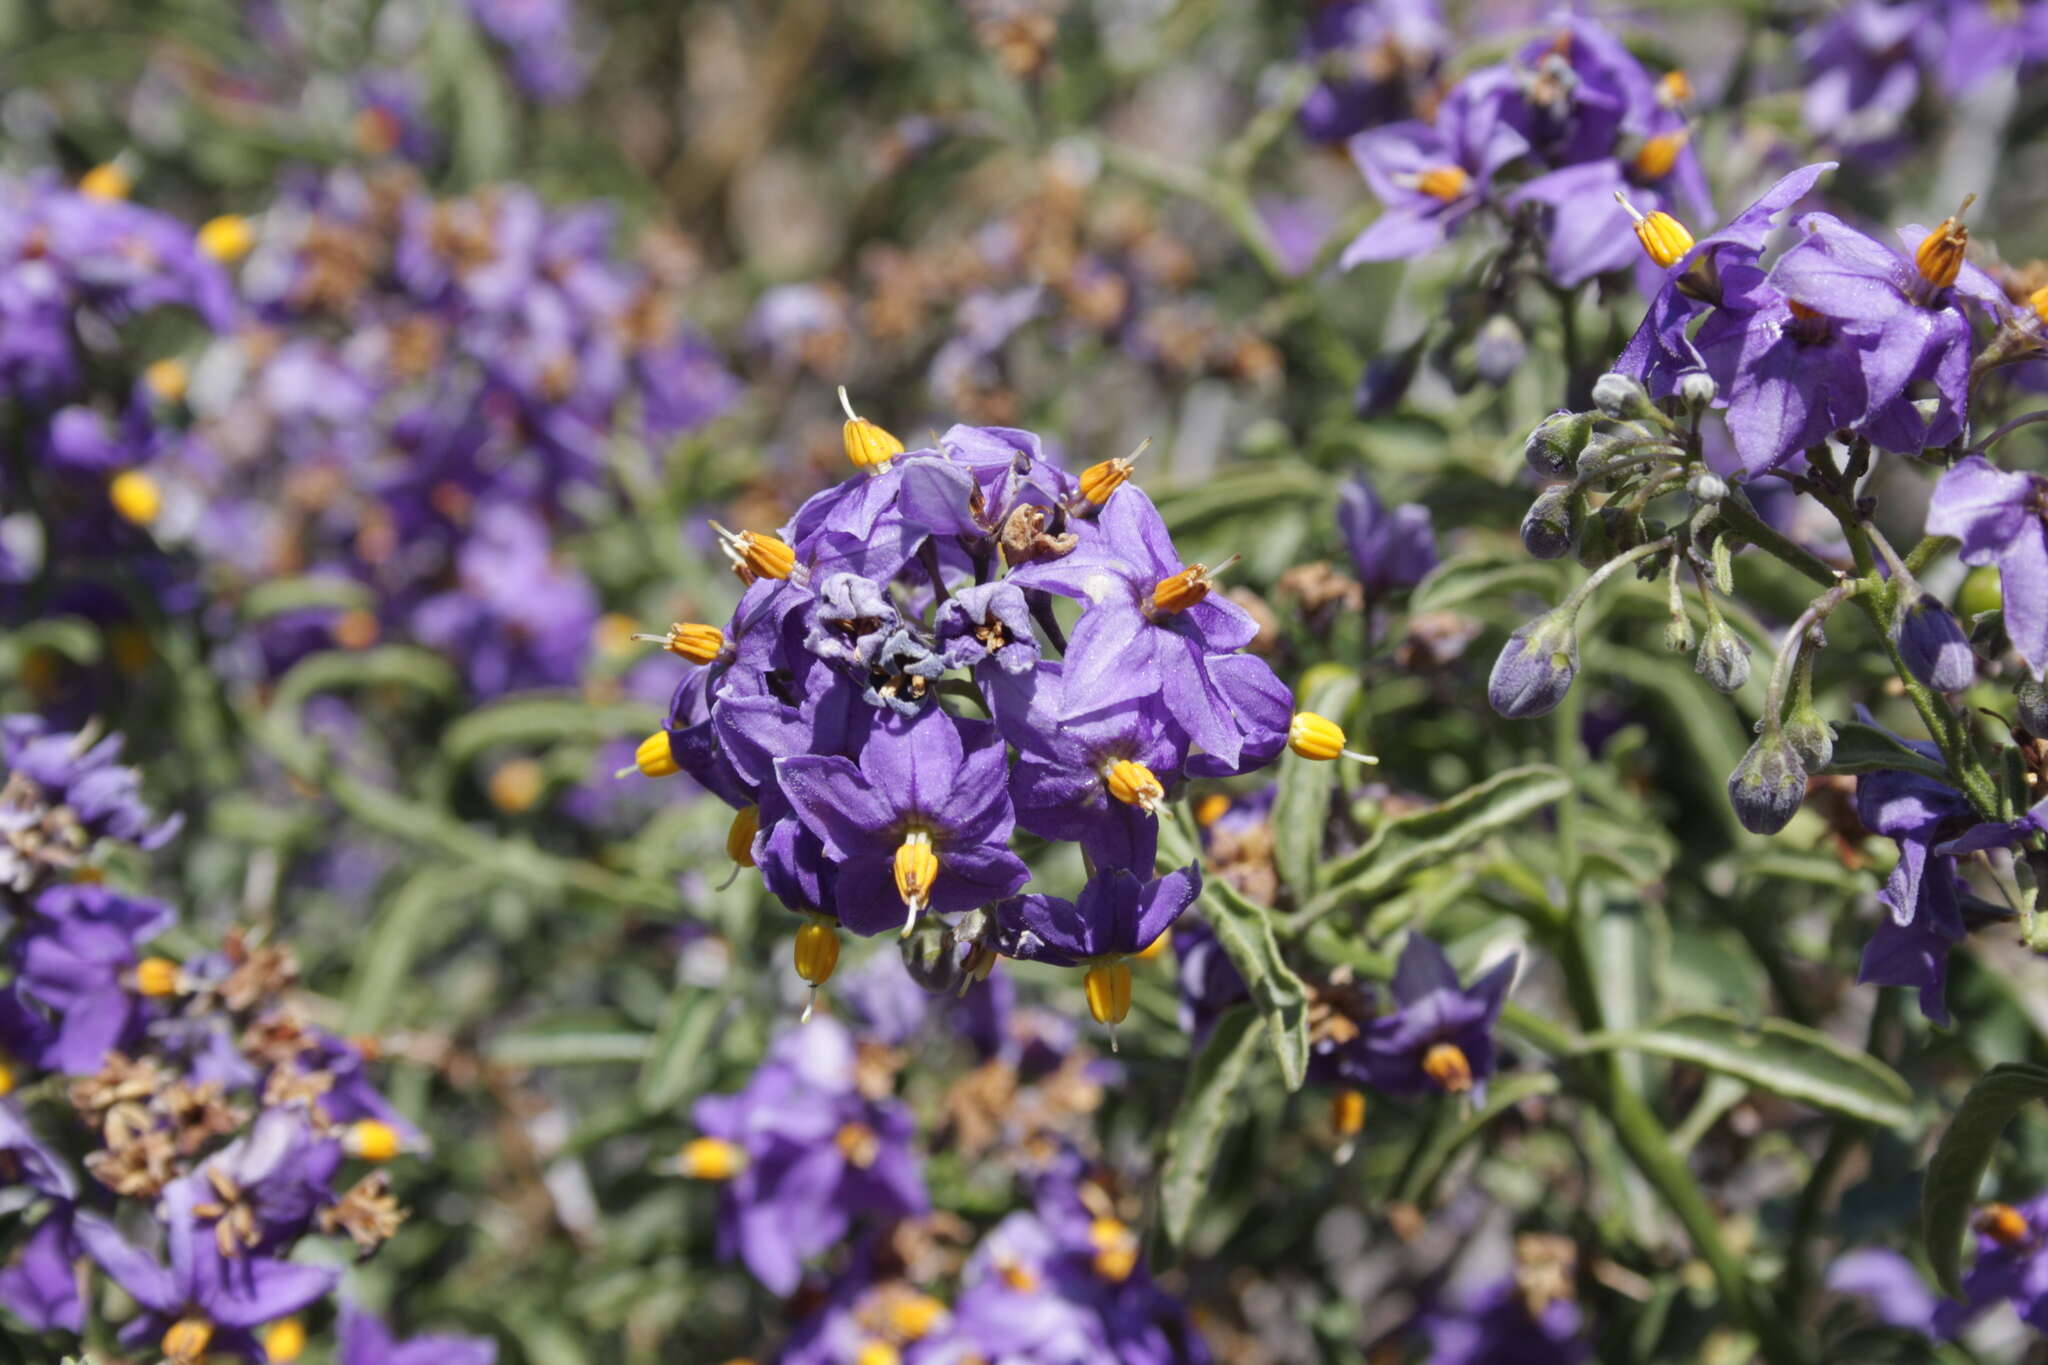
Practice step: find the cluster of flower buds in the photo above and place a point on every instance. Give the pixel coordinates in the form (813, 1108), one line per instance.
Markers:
(151, 1103)
(829, 711)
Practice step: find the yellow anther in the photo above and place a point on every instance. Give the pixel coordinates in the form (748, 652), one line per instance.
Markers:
(1940, 254)
(185, 1341)
(1134, 784)
(156, 976)
(2003, 1224)
(912, 1315)
(1448, 1066)
(1116, 1248)
(1665, 239)
(700, 644)
(6, 1075)
(1674, 87)
(1446, 182)
(1018, 1276)
(1211, 808)
(1108, 985)
(106, 181)
(654, 758)
(1659, 154)
(917, 867)
(1153, 950)
(227, 238)
(372, 1140)
(135, 496)
(2038, 301)
(167, 379)
(755, 554)
(1313, 736)
(858, 1144)
(1347, 1113)
(708, 1158)
(817, 949)
(878, 1353)
(868, 446)
(739, 839)
(516, 784)
(356, 628)
(284, 1342)
(1101, 479)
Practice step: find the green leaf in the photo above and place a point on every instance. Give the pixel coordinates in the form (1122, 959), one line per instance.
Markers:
(1301, 803)
(1469, 578)
(1207, 1109)
(74, 637)
(1502, 1095)
(386, 665)
(1958, 1164)
(1786, 1059)
(545, 720)
(1861, 748)
(569, 1048)
(281, 595)
(394, 943)
(675, 1068)
(1246, 932)
(1409, 843)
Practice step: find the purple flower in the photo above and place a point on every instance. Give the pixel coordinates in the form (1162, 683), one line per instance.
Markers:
(1439, 1037)
(1430, 177)
(1861, 73)
(74, 956)
(41, 1287)
(519, 618)
(1499, 1326)
(1117, 915)
(2011, 1266)
(1924, 920)
(1390, 548)
(1580, 89)
(990, 621)
(812, 1155)
(26, 1161)
(2002, 518)
(1377, 53)
(365, 1340)
(923, 823)
(1932, 642)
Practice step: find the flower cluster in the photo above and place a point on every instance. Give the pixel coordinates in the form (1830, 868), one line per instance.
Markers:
(817, 712)
(1868, 62)
(181, 1124)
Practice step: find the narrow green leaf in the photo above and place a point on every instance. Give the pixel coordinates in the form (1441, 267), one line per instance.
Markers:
(1502, 1095)
(1957, 1167)
(1207, 1109)
(1786, 1059)
(675, 1068)
(1861, 748)
(394, 944)
(1301, 802)
(1469, 578)
(545, 720)
(1409, 843)
(280, 595)
(569, 1048)
(404, 665)
(1246, 932)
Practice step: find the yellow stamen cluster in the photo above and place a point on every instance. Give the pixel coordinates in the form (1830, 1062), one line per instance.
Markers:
(371, 1140)
(708, 1158)
(1155, 949)
(2038, 301)
(1182, 590)
(227, 238)
(654, 758)
(1108, 985)
(912, 1316)
(135, 496)
(1134, 784)
(106, 181)
(868, 446)
(1314, 736)
(1449, 1067)
(2002, 1223)
(1101, 479)
(1211, 808)
(6, 1075)
(1347, 1113)
(917, 867)
(156, 977)
(1665, 240)
(739, 840)
(515, 785)
(878, 1353)
(858, 1144)
(1116, 1248)
(1445, 183)
(817, 950)
(1939, 257)
(356, 628)
(1656, 157)
(284, 1342)
(1674, 87)
(700, 644)
(185, 1341)
(167, 379)
(1018, 1276)
(755, 554)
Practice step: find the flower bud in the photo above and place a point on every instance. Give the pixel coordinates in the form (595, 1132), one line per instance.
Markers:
(1933, 644)
(1723, 659)
(1982, 591)
(1697, 388)
(1678, 634)
(2032, 698)
(1535, 668)
(1618, 396)
(1552, 450)
(1811, 737)
(1498, 350)
(1551, 522)
(1767, 785)
(1602, 536)
(1707, 486)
